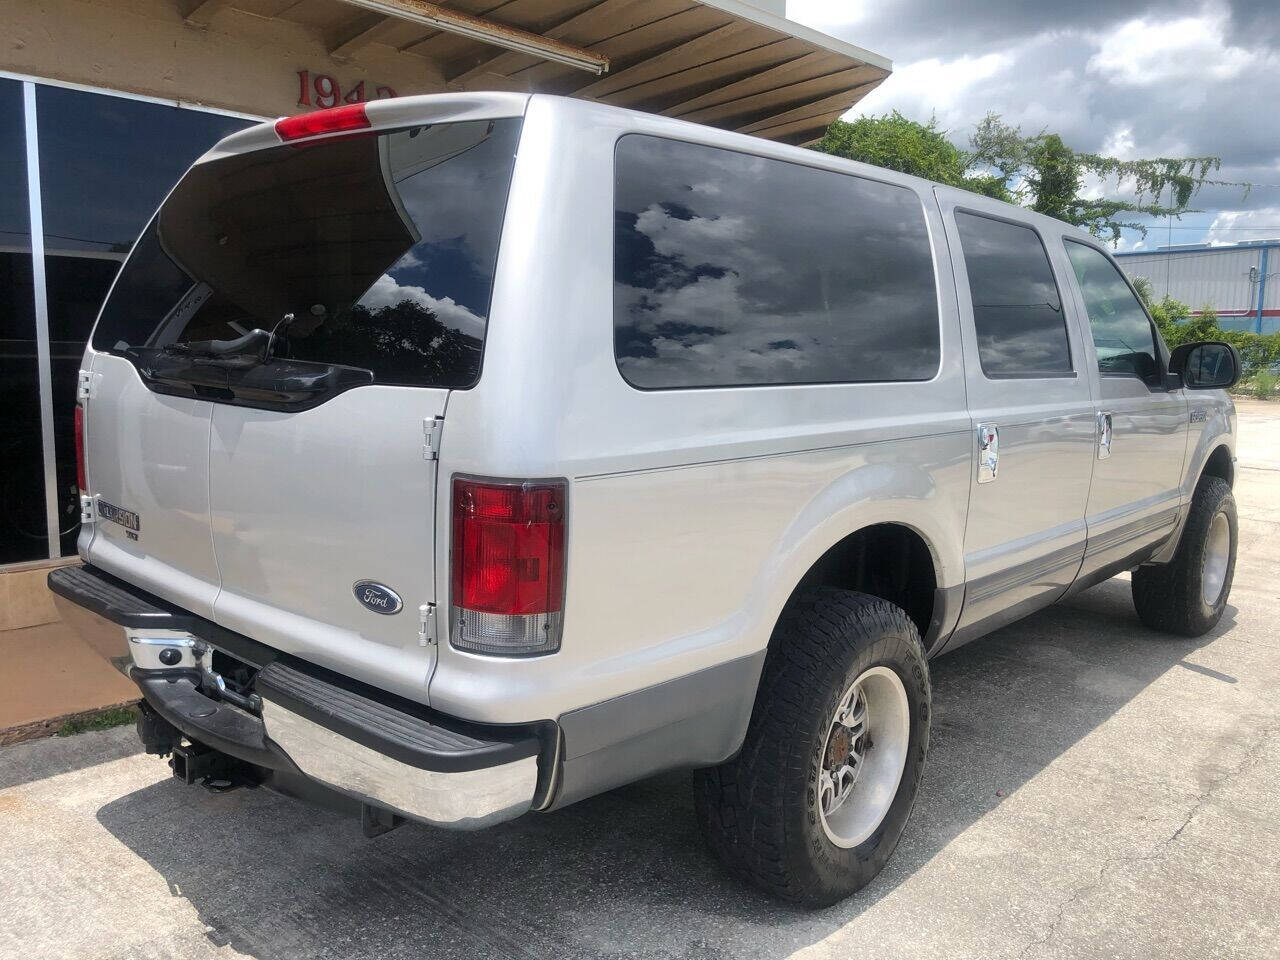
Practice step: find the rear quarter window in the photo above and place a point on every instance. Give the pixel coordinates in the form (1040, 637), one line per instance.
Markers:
(737, 270)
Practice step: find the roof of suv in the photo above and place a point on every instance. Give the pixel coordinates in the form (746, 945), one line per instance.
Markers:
(455, 107)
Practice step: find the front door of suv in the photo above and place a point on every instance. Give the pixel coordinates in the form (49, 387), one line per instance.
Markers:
(1142, 425)
(1032, 412)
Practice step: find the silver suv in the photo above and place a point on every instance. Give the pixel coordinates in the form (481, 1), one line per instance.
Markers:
(454, 457)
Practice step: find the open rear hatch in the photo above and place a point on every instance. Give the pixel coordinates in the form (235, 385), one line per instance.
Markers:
(269, 372)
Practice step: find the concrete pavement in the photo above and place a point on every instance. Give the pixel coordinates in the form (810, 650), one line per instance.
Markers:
(1094, 790)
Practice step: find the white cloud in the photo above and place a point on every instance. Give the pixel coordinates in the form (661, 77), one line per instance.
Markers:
(697, 238)
(1232, 226)
(1120, 144)
(1179, 78)
(386, 292)
(838, 18)
(1146, 52)
(933, 86)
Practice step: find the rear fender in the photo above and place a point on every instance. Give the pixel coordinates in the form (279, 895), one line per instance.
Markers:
(888, 492)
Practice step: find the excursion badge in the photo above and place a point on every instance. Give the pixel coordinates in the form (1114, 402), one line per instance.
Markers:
(126, 518)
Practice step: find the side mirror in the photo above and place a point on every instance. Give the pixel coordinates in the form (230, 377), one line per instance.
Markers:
(1211, 365)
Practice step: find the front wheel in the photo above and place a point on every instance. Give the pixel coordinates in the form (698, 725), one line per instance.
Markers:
(1188, 595)
(814, 804)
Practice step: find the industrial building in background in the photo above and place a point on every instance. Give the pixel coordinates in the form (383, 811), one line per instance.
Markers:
(1239, 281)
(104, 104)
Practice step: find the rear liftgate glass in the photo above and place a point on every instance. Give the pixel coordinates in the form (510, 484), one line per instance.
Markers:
(282, 277)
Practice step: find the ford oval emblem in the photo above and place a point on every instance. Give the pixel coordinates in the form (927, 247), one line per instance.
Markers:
(377, 597)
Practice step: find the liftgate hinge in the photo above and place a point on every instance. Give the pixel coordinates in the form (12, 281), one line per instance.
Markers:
(84, 385)
(431, 430)
(426, 624)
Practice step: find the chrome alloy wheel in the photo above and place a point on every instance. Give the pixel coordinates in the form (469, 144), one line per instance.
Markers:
(863, 757)
(1217, 554)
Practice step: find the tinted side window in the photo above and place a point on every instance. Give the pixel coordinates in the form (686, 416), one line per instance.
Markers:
(1016, 308)
(1121, 331)
(737, 270)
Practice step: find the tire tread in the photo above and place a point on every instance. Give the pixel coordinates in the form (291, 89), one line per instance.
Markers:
(743, 804)
(1167, 596)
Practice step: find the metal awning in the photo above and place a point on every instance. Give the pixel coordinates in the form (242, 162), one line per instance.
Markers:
(728, 63)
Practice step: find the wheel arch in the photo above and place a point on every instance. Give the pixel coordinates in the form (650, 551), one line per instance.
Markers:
(914, 506)
(1214, 457)
(1218, 464)
(895, 560)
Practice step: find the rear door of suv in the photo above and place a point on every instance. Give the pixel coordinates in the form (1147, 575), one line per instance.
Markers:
(1031, 404)
(148, 485)
(368, 261)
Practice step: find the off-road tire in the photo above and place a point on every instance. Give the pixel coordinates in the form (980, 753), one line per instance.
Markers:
(1168, 596)
(759, 810)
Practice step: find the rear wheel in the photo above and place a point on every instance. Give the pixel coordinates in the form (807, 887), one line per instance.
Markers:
(814, 804)
(1187, 595)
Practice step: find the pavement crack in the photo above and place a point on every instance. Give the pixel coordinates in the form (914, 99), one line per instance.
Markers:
(1159, 851)
(1251, 757)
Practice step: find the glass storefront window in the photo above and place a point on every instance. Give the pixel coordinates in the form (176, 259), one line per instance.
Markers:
(106, 162)
(22, 521)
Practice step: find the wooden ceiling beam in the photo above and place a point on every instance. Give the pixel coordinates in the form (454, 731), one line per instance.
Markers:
(840, 102)
(586, 28)
(358, 33)
(198, 13)
(789, 95)
(731, 38)
(699, 77)
(804, 66)
(806, 130)
(487, 31)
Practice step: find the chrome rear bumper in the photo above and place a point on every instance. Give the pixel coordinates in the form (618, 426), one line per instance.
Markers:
(301, 719)
(461, 800)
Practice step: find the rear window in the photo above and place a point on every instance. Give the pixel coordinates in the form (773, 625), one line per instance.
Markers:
(382, 247)
(737, 270)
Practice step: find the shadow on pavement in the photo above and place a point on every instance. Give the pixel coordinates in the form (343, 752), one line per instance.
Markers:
(275, 879)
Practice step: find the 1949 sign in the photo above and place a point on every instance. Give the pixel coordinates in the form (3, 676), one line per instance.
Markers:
(322, 90)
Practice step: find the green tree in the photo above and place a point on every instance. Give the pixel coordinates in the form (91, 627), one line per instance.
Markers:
(920, 149)
(1258, 351)
(1171, 316)
(1038, 171)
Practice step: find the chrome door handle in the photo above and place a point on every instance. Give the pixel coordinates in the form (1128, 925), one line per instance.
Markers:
(1104, 436)
(988, 452)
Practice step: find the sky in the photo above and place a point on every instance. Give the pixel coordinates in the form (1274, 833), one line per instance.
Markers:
(1127, 79)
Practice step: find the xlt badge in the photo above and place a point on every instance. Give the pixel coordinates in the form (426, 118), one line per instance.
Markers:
(377, 597)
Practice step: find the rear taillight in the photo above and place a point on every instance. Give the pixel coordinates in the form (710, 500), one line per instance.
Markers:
(507, 566)
(333, 120)
(79, 428)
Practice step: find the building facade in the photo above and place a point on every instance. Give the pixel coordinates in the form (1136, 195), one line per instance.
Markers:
(1239, 281)
(104, 104)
